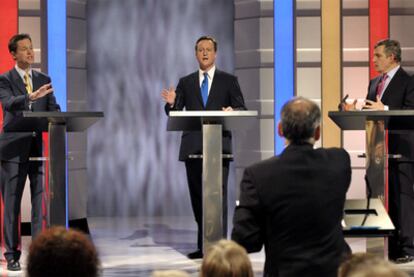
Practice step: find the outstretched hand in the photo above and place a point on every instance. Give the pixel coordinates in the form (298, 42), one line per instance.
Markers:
(168, 95)
(41, 92)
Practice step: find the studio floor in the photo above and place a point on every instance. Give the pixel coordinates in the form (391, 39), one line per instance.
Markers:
(138, 246)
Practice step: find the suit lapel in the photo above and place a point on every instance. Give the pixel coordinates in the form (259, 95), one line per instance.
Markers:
(214, 87)
(197, 88)
(392, 86)
(35, 80)
(17, 80)
(373, 89)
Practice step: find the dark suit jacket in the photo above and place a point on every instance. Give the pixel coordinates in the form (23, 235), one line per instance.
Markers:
(16, 147)
(224, 92)
(399, 95)
(293, 205)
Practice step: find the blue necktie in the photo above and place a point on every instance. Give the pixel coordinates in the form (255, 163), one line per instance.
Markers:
(204, 88)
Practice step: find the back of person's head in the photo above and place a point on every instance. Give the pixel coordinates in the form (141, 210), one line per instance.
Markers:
(300, 118)
(169, 273)
(368, 265)
(64, 253)
(226, 259)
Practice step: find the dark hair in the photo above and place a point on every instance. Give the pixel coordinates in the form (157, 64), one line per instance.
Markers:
(16, 38)
(390, 47)
(210, 38)
(300, 118)
(64, 253)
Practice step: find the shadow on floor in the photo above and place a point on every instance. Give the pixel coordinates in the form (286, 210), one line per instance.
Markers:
(181, 240)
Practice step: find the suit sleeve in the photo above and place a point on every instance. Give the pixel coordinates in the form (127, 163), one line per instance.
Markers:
(409, 97)
(10, 102)
(248, 222)
(179, 99)
(237, 100)
(52, 105)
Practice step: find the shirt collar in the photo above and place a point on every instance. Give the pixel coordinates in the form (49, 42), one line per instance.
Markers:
(23, 72)
(392, 72)
(210, 73)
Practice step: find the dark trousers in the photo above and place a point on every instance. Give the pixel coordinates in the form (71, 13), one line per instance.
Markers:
(401, 208)
(194, 168)
(13, 178)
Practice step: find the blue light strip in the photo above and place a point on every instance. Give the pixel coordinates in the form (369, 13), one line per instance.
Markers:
(284, 60)
(56, 46)
(56, 59)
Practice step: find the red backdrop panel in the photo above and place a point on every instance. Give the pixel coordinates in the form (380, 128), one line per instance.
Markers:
(8, 27)
(378, 27)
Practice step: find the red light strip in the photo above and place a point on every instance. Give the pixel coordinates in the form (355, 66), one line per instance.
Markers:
(378, 27)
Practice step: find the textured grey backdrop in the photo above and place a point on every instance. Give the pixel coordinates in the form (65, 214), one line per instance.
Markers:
(136, 48)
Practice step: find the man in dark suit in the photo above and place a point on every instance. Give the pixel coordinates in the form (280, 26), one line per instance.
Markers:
(206, 89)
(293, 203)
(393, 89)
(21, 89)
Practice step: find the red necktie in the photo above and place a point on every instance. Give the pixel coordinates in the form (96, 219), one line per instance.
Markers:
(381, 84)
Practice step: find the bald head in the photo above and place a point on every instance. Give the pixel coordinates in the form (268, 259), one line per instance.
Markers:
(300, 121)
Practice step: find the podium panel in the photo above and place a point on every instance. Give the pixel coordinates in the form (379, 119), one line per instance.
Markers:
(57, 124)
(212, 123)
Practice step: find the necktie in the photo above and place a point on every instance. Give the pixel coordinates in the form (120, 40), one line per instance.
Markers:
(27, 84)
(381, 84)
(204, 88)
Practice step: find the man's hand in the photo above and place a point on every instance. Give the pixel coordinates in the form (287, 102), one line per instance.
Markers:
(168, 95)
(227, 109)
(372, 105)
(41, 92)
(349, 106)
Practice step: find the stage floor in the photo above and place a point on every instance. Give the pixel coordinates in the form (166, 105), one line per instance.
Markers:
(137, 246)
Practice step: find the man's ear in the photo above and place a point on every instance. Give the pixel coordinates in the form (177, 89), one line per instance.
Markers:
(317, 134)
(13, 55)
(280, 129)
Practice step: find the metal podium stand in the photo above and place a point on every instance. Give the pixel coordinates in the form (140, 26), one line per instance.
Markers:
(211, 123)
(57, 124)
(376, 125)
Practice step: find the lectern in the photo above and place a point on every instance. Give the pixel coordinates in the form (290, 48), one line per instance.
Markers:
(57, 124)
(377, 124)
(211, 123)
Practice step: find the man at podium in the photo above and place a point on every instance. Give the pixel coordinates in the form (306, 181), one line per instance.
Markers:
(393, 89)
(21, 89)
(206, 89)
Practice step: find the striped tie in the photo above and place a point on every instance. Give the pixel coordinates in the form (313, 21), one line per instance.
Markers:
(27, 84)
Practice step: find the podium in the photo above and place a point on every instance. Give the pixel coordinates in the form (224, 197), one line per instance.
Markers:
(211, 123)
(377, 124)
(57, 124)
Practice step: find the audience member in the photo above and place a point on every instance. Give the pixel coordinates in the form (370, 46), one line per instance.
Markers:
(369, 265)
(293, 203)
(63, 253)
(226, 259)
